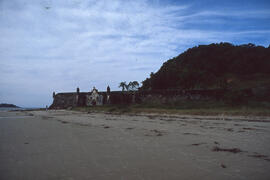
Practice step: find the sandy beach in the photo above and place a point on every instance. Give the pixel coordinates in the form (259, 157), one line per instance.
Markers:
(74, 145)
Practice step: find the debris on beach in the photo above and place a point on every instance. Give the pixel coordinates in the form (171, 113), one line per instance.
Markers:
(105, 126)
(157, 132)
(258, 156)
(249, 128)
(64, 122)
(154, 132)
(190, 133)
(223, 166)
(232, 150)
(151, 116)
(197, 144)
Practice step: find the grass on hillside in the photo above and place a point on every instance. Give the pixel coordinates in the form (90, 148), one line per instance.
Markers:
(187, 108)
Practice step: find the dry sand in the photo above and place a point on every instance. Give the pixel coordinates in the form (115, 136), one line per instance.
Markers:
(39, 145)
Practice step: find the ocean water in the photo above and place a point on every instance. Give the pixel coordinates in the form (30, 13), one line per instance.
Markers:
(14, 109)
(9, 109)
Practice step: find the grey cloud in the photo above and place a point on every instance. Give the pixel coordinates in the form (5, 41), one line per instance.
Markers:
(92, 43)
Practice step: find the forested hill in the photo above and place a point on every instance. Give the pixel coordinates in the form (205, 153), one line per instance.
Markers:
(211, 66)
(8, 105)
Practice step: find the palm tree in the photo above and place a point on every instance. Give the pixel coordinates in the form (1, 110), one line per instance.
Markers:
(134, 85)
(123, 85)
(130, 86)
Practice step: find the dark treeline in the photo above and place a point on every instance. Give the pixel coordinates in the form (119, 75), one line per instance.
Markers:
(8, 105)
(211, 66)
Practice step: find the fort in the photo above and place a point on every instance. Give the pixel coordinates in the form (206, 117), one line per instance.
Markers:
(99, 98)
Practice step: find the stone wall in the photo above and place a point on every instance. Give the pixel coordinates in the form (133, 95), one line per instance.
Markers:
(183, 94)
(75, 99)
(81, 99)
(64, 100)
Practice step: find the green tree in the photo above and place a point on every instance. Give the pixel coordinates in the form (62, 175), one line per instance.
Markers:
(133, 85)
(207, 66)
(123, 85)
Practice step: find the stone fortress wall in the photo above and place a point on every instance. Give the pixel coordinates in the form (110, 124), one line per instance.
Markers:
(82, 99)
(96, 98)
(78, 99)
(93, 98)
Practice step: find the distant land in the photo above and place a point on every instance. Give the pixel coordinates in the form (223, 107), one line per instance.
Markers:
(8, 105)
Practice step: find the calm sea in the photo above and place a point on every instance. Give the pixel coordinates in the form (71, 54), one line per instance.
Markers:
(12, 109)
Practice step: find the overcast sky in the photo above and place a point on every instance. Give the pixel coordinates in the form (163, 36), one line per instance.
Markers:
(58, 45)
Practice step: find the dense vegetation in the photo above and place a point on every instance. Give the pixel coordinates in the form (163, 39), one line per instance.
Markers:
(212, 66)
(131, 86)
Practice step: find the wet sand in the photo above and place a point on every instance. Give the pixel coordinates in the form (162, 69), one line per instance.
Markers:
(73, 145)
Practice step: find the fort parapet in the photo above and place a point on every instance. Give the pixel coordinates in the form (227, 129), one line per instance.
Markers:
(96, 98)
